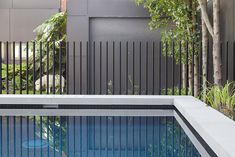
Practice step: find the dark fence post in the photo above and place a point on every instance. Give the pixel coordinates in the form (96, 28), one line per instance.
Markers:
(180, 84)
(14, 77)
(1, 67)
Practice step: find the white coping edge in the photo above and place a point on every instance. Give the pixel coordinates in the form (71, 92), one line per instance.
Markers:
(85, 99)
(217, 130)
(191, 136)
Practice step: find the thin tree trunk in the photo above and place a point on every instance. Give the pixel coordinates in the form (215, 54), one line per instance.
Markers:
(216, 44)
(196, 78)
(190, 76)
(204, 54)
(184, 81)
(195, 66)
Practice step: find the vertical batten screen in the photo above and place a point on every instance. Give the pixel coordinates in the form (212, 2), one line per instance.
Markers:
(105, 67)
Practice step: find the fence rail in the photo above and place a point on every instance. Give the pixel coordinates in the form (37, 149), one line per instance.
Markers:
(106, 67)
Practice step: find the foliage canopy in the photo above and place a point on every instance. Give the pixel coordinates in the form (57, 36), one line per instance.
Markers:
(177, 17)
(50, 35)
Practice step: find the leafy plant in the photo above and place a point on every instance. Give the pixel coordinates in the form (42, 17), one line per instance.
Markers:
(51, 36)
(11, 75)
(222, 98)
(179, 20)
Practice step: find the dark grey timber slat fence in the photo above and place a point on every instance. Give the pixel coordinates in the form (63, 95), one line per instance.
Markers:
(104, 67)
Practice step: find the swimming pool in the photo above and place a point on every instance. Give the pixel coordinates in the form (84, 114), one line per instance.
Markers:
(99, 136)
(112, 126)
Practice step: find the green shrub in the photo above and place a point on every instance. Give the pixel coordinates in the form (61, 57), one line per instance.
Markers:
(51, 31)
(17, 76)
(222, 98)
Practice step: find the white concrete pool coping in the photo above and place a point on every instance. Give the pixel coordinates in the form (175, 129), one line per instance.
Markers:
(217, 130)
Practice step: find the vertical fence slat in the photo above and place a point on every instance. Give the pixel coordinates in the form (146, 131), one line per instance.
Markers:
(27, 68)
(67, 67)
(180, 75)
(166, 64)
(200, 66)
(87, 67)
(54, 68)
(113, 89)
(34, 68)
(140, 65)
(40, 66)
(208, 60)
(94, 70)
(153, 60)
(226, 62)
(14, 77)
(81, 67)
(233, 59)
(101, 71)
(127, 71)
(160, 67)
(7, 68)
(21, 81)
(120, 68)
(74, 67)
(173, 68)
(147, 78)
(60, 68)
(133, 69)
(193, 64)
(47, 68)
(187, 68)
(107, 76)
(1, 67)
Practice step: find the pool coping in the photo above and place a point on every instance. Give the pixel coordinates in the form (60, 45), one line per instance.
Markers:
(217, 130)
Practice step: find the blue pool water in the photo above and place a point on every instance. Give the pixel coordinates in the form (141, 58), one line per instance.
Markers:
(94, 137)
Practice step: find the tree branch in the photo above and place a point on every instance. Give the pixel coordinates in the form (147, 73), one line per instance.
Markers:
(206, 17)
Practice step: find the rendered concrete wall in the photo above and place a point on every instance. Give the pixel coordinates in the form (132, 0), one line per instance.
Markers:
(20, 17)
(85, 17)
(104, 20)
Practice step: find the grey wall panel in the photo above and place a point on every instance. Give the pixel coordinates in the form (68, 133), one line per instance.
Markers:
(23, 22)
(38, 4)
(78, 28)
(77, 7)
(5, 4)
(115, 8)
(121, 29)
(4, 18)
